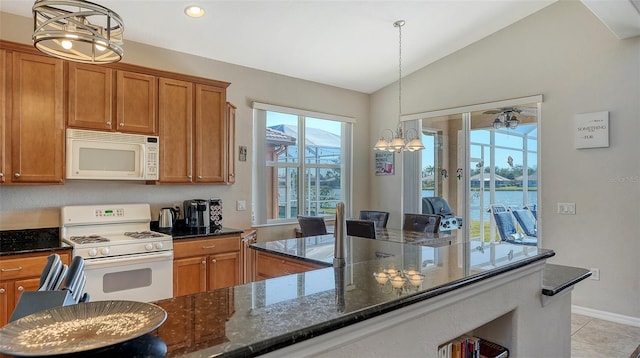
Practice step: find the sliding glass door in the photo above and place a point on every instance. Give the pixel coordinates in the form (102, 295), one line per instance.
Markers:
(479, 160)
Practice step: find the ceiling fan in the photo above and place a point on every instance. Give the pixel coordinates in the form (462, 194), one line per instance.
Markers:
(507, 116)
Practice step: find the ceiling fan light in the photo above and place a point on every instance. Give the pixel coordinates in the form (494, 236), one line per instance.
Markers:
(497, 123)
(513, 122)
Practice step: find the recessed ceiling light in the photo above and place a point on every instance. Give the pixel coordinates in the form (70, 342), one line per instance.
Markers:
(194, 11)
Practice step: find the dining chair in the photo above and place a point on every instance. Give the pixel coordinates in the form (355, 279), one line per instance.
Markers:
(421, 222)
(312, 225)
(379, 217)
(361, 228)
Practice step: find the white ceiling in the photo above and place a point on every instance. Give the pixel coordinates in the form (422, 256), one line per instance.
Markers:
(348, 44)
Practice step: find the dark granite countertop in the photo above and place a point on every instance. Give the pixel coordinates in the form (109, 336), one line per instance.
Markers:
(263, 316)
(557, 278)
(16, 242)
(319, 249)
(180, 231)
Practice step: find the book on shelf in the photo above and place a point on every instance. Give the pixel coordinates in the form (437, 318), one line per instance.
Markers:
(468, 346)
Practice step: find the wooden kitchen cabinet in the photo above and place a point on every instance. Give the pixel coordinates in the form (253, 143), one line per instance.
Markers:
(21, 273)
(91, 94)
(175, 125)
(136, 102)
(231, 144)
(4, 136)
(34, 128)
(210, 135)
(206, 264)
(270, 266)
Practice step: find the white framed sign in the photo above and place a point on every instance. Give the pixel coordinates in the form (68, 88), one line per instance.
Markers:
(592, 130)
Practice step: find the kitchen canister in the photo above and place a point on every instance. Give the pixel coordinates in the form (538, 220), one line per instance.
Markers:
(215, 213)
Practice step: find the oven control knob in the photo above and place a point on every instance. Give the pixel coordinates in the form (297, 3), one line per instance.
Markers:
(93, 252)
(148, 247)
(104, 250)
(158, 246)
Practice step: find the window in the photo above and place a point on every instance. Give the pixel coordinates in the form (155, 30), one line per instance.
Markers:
(302, 163)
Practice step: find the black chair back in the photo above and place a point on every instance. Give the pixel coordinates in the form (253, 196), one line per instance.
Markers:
(421, 222)
(379, 217)
(312, 225)
(361, 228)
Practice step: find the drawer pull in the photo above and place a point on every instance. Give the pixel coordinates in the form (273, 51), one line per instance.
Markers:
(20, 288)
(2, 290)
(19, 268)
(214, 261)
(209, 247)
(204, 262)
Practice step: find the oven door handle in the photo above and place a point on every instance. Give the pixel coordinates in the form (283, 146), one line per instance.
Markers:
(127, 260)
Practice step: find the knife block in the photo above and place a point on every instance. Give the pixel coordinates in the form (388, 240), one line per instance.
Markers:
(36, 301)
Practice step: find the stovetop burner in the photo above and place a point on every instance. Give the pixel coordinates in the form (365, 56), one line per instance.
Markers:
(142, 234)
(89, 239)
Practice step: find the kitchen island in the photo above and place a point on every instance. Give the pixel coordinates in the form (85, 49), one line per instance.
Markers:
(492, 291)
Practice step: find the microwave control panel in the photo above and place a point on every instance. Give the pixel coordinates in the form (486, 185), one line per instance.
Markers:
(152, 158)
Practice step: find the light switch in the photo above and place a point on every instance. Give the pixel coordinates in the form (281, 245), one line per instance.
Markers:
(567, 208)
(241, 205)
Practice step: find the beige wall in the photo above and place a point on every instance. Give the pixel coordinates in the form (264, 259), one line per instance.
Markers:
(22, 207)
(566, 54)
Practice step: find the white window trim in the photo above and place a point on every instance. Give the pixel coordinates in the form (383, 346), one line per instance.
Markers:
(259, 215)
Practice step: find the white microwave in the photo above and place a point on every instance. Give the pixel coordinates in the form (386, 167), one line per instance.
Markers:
(111, 155)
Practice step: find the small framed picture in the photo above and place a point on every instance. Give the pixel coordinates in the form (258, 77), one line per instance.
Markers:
(384, 163)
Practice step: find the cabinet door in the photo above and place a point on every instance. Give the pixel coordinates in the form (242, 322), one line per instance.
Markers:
(22, 286)
(224, 270)
(175, 124)
(136, 103)
(189, 276)
(90, 96)
(231, 151)
(210, 135)
(37, 124)
(4, 136)
(4, 302)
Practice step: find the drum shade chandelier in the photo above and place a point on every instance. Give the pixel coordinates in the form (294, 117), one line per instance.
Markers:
(78, 31)
(397, 141)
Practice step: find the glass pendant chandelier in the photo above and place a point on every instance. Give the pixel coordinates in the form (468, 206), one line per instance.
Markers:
(78, 31)
(397, 141)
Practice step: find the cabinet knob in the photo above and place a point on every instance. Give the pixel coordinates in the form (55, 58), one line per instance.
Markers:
(2, 290)
(199, 176)
(1, 175)
(108, 123)
(204, 262)
(17, 175)
(189, 176)
(20, 288)
(231, 175)
(214, 261)
(121, 124)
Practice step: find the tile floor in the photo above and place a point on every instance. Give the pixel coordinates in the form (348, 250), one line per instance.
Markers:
(596, 338)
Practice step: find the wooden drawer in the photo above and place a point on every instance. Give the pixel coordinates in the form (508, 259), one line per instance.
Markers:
(18, 267)
(197, 247)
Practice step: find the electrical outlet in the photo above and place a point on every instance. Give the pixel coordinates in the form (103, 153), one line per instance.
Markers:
(241, 205)
(595, 274)
(567, 208)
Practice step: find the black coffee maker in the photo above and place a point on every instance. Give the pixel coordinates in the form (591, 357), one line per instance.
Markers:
(196, 213)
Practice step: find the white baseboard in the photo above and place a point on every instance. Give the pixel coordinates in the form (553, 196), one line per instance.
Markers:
(607, 316)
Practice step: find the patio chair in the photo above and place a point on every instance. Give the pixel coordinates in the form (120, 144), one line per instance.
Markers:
(507, 227)
(361, 228)
(379, 217)
(527, 221)
(312, 225)
(533, 208)
(421, 222)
